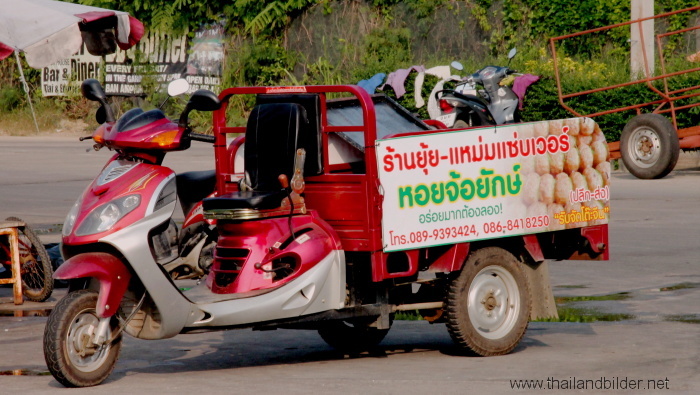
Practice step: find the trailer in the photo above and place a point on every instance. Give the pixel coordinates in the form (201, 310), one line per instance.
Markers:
(650, 142)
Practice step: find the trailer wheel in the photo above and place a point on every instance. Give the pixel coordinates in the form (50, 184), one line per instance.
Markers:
(649, 146)
(351, 337)
(488, 304)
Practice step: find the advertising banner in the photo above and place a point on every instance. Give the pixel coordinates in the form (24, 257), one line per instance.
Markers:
(158, 57)
(467, 185)
(79, 67)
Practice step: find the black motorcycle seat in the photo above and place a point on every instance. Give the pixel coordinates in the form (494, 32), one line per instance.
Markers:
(256, 200)
(193, 186)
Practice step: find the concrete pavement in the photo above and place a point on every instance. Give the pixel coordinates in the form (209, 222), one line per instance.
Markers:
(654, 262)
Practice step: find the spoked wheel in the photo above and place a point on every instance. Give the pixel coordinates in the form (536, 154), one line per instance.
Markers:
(351, 336)
(488, 304)
(69, 349)
(35, 265)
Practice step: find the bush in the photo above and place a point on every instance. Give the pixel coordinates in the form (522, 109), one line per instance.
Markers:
(10, 98)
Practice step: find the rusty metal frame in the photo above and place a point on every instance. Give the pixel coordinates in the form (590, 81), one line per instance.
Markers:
(667, 97)
(16, 280)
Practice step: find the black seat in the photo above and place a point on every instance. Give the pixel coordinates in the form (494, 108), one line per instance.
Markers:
(193, 186)
(309, 134)
(271, 140)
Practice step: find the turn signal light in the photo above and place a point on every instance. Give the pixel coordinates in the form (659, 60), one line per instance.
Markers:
(165, 139)
(99, 135)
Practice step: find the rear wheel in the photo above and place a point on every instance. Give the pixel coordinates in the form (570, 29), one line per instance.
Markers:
(69, 349)
(488, 304)
(460, 124)
(649, 146)
(35, 265)
(351, 336)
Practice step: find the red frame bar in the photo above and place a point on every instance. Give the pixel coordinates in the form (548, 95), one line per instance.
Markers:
(370, 178)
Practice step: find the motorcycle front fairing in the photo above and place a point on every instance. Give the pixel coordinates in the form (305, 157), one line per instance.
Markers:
(128, 200)
(124, 192)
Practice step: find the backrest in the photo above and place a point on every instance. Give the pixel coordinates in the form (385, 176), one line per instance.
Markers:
(271, 141)
(310, 133)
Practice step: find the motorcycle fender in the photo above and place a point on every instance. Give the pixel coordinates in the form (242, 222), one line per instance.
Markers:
(111, 273)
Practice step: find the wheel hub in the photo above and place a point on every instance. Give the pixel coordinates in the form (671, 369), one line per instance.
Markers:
(81, 348)
(646, 147)
(490, 301)
(493, 302)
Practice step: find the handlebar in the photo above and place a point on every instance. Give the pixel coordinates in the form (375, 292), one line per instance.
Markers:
(205, 138)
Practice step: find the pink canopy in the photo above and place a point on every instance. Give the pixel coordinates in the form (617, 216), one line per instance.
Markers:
(48, 31)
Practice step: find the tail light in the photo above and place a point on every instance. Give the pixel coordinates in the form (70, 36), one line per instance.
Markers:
(445, 106)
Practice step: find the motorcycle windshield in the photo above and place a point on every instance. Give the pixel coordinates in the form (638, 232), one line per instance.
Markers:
(136, 118)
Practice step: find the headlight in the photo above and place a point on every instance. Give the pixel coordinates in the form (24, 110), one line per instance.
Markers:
(70, 218)
(104, 217)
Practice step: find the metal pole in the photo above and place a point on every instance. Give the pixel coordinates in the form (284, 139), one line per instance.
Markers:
(26, 89)
(641, 42)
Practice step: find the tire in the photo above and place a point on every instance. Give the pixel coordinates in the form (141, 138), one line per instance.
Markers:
(351, 337)
(68, 325)
(649, 146)
(460, 124)
(35, 265)
(206, 255)
(488, 304)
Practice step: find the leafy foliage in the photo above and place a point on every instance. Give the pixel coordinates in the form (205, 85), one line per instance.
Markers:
(258, 51)
(526, 20)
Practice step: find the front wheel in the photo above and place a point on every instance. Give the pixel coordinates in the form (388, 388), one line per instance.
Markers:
(69, 342)
(649, 146)
(488, 304)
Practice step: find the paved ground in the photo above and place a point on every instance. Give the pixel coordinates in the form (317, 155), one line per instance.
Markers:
(655, 262)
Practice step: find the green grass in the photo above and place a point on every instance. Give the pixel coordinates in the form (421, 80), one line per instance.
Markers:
(578, 314)
(408, 316)
(600, 298)
(679, 286)
(569, 313)
(686, 318)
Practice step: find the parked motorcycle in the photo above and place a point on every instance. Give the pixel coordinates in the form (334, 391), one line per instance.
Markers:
(479, 99)
(141, 139)
(300, 239)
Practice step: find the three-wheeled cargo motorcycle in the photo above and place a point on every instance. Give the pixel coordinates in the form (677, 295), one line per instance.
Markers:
(333, 215)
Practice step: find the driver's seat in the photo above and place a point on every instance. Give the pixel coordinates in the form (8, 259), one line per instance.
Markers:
(272, 142)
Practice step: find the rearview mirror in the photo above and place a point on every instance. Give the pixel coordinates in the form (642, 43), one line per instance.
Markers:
(92, 90)
(457, 66)
(204, 100)
(178, 87)
(512, 53)
(201, 100)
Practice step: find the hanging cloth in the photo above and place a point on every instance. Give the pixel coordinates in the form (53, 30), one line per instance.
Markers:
(520, 85)
(397, 79)
(371, 84)
(442, 72)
